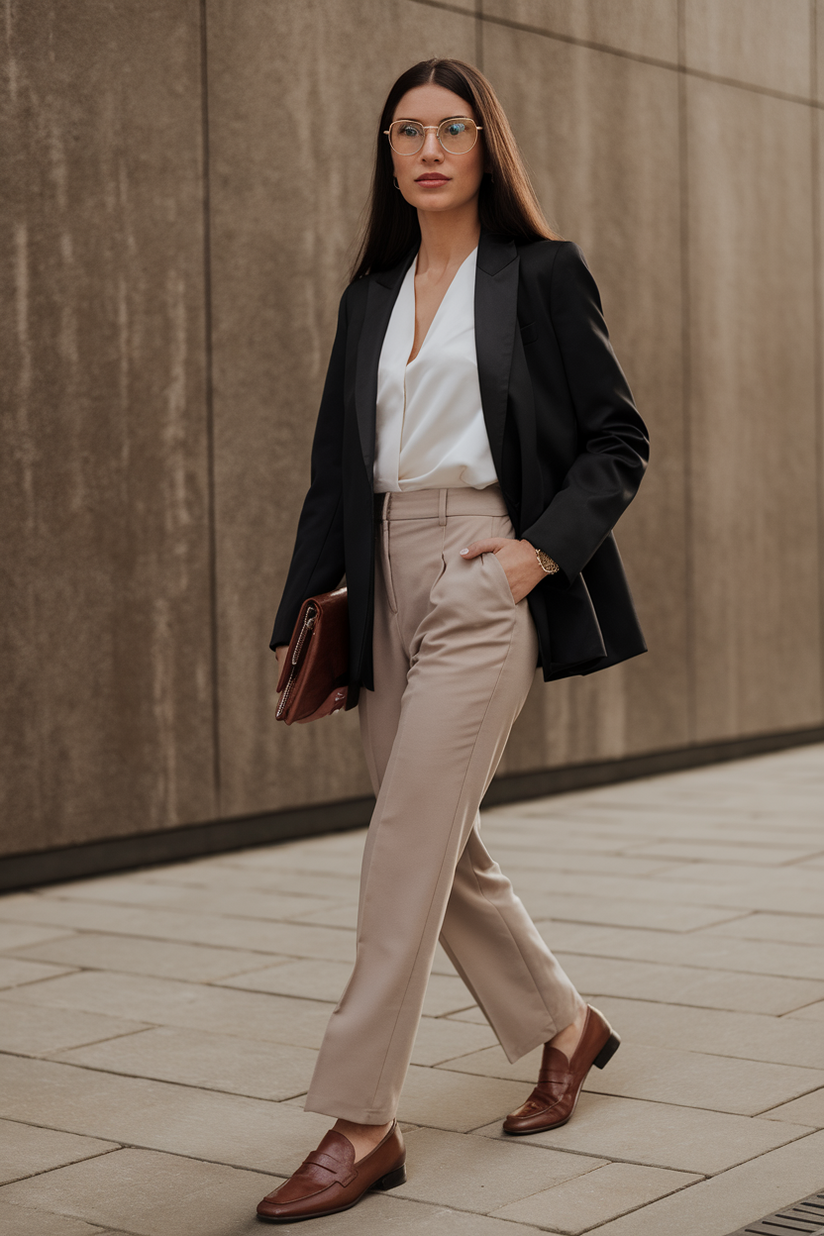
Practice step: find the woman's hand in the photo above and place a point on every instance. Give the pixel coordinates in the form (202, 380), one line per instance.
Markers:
(280, 653)
(521, 567)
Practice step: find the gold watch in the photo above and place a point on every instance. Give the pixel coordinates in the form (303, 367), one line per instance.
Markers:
(548, 565)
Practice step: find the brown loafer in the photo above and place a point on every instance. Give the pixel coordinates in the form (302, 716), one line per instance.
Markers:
(330, 1180)
(553, 1100)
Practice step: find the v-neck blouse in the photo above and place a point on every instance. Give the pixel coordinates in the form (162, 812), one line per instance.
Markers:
(430, 425)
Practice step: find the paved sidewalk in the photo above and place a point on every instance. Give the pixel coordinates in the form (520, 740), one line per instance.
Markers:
(160, 1027)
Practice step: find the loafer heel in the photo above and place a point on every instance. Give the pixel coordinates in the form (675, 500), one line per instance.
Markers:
(560, 1079)
(392, 1179)
(607, 1051)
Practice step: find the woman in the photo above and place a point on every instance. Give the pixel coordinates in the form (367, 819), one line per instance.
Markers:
(476, 443)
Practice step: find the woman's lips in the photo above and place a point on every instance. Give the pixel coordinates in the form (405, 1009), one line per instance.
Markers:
(432, 180)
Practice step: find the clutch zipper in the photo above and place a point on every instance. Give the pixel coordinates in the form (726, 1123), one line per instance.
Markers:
(308, 623)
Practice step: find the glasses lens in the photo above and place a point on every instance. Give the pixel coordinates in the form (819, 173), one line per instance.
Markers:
(405, 136)
(458, 136)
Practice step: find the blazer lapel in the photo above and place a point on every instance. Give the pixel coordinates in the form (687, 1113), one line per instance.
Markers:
(381, 296)
(496, 303)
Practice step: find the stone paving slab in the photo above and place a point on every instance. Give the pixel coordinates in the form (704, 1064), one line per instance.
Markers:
(455, 1101)
(325, 980)
(26, 1031)
(19, 935)
(765, 854)
(697, 949)
(202, 1059)
(689, 907)
(577, 1205)
(719, 989)
(14, 973)
(807, 1110)
(789, 928)
(516, 852)
(810, 1012)
(150, 1194)
(235, 903)
(308, 859)
(662, 1135)
(627, 825)
(799, 893)
(473, 1174)
(618, 911)
(197, 963)
(27, 1151)
(688, 1078)
(341, 914)
(274, 1019)
(724, 1203)
(796, 878)
(440, 1039)
(749, 1036)
(23, 1221)
(223, 877)
(200, 1124)
(293, 939)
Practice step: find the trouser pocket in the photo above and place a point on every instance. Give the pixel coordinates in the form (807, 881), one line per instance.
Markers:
(387, 566)
(493, 565)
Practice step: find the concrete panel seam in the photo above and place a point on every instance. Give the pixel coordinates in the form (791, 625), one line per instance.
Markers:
(210, 419)
(479, 34)
(686, 364)
(655, 61)
(816, 134)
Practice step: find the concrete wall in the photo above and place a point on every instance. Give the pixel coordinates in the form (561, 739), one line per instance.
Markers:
(182, 185)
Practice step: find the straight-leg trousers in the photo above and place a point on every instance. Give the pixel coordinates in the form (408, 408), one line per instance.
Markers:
(454, 658)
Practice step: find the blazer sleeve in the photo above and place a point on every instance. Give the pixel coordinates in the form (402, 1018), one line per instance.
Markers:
(318, 559)
(612, 438)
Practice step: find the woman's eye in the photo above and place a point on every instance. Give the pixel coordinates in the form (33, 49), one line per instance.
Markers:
(456, 128)
(409, 130)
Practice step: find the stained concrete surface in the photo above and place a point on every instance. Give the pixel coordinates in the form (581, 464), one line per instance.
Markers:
(183, 183)
(113, 1073)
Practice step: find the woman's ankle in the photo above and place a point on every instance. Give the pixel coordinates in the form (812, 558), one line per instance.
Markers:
(364, 1137)
(566, 1040)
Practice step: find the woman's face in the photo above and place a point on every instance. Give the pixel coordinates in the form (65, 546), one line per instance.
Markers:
(433, 179)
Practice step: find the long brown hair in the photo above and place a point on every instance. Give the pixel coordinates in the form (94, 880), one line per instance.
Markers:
(507, 203)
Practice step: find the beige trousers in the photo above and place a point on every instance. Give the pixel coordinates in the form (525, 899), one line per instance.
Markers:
(454, 659)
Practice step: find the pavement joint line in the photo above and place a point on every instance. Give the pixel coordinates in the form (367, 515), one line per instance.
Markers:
(685, 965)
(46, 978)
(227, 948)
(194, 1158)
(150, 1077)
(86, 1158)
(97, 1230)
(161, 1081)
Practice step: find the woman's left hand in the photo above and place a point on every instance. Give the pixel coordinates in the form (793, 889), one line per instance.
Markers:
(521, 567)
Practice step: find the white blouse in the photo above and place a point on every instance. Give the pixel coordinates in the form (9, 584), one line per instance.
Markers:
(430, 424)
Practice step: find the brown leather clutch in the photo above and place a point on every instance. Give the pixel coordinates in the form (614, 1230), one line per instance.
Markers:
(314, 676)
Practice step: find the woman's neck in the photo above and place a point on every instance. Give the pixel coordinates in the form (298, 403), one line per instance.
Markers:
(447, 239)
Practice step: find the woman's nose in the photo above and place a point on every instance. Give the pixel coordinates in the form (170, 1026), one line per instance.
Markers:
(431, 146)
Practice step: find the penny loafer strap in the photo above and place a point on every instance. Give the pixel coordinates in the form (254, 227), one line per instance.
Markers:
(556, 1079)
(319, 1158)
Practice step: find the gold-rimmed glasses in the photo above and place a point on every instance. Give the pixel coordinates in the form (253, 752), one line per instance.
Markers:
(457, 135)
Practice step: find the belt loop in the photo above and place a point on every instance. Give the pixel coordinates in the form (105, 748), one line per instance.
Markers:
(385, 553)
(442, 506)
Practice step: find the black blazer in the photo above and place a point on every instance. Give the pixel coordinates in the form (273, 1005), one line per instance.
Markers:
(568, 445)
